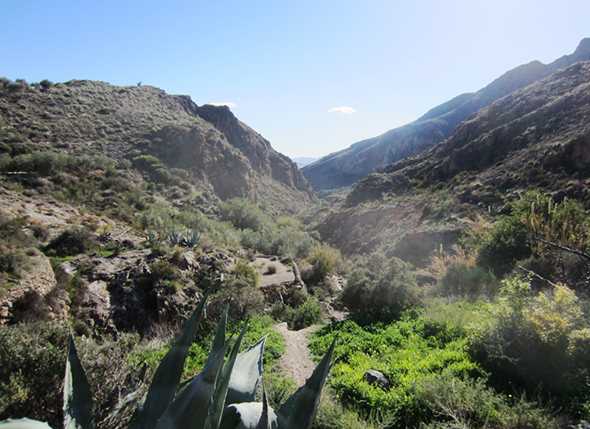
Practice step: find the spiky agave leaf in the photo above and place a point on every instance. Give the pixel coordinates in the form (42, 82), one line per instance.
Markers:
(217, 404)
(23, 424)
(190, 407)
(248, 415)
(300, 409)
(77, 404)
(264, 422)
(168, 374)
(246, 375)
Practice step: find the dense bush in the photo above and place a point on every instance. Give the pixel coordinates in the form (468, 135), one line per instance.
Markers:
(469, 403)
(283, 236)
(535, 225)
(332, 415)
(380, 289)
(243, 214)
(71, 242)
(462, 280)
(504, 245)
(163, 219)
(31, 371)
(324, 260)
(539, 341)
(240, 290)
(304, 315)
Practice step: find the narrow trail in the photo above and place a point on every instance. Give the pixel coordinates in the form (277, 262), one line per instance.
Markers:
(296, 361)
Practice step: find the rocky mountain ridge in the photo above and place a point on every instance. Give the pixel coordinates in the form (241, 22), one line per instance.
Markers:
(352, 164)
(208, 142)
(537, 137)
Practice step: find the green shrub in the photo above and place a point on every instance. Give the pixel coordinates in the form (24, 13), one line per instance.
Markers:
(243, 271)
(71, 242)
(380, 289)
(240, 290)
(504, 245)
(10, 262)
(46, 163)
(462, 280)
(324, 260)
(538, 341)
(244, 215)
(154, 168)
(466, 403)
(32, 366)
(332, 415)
(278, 387)
(306, 314)
(535, 219)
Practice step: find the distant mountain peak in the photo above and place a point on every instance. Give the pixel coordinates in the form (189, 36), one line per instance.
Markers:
(349, 165)
(584, 47)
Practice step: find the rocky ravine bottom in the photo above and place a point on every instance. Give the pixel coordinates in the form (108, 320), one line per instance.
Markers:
(296, 361)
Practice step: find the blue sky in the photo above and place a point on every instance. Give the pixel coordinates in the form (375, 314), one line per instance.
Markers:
(311, 76)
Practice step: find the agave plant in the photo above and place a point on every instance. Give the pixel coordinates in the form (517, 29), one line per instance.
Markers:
(174, 238)
(191, 238)
(222, 396)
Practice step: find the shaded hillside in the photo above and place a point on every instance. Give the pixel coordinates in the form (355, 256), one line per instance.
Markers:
(536, 137)
(352, 164)
(217, 151)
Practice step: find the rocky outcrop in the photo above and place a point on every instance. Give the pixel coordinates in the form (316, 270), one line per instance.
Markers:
(350, 165)
(34, 296)
(377, 378)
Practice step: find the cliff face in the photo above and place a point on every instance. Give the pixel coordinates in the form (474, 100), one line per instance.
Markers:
(350, 165)
(210, 143)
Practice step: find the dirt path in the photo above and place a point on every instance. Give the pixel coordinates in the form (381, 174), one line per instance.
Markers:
(296, 361)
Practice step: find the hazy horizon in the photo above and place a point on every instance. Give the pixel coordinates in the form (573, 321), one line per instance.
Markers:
(311, 78)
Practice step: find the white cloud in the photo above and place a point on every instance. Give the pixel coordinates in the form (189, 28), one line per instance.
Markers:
(229, 104)
(347, 110)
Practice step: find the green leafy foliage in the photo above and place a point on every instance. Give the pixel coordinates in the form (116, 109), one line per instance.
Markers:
(405, 352)
(524, 326)
(535, 222)
(283, 236)
(504, 245)
(435, 382)
(301, 316)
(31, 365)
